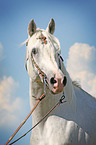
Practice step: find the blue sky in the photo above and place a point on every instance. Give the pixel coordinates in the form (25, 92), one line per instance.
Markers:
(75, 23)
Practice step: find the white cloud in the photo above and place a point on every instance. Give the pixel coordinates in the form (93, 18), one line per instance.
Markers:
(10, 105)
(81, 66)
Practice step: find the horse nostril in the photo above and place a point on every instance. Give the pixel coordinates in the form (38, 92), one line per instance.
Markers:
(53, 81)
(64, 81)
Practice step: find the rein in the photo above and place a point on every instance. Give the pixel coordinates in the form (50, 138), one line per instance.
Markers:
(57, 104)
(40, 99)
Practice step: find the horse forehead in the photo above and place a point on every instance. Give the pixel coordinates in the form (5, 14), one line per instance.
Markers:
(50, 39)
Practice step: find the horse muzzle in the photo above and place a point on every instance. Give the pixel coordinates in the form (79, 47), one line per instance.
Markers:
(58, 84)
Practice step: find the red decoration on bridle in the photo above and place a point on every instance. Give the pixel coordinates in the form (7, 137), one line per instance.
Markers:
(43, 39)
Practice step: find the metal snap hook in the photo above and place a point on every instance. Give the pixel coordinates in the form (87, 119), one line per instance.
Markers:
(62, 98)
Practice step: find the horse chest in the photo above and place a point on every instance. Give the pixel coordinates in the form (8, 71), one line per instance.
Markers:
(58, 131)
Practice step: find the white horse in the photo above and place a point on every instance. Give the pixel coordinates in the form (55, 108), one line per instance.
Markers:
(71, 123)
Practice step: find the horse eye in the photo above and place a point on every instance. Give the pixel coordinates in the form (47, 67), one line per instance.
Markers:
(34, 50)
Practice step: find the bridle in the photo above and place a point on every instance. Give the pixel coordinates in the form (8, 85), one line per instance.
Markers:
(40, 72)
(44, 77)
(61, 100)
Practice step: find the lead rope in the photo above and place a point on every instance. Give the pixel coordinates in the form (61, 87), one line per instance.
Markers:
(43, 96)
(57, 104)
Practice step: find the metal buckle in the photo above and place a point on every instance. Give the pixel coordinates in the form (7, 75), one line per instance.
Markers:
(62, 98)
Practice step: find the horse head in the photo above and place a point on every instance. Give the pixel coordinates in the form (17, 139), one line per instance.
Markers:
(43, 54)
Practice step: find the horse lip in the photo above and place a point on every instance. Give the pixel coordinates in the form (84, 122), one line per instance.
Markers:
(56, 90)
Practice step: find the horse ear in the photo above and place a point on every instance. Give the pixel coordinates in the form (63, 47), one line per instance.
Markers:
(31, 28)
(51, 26)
